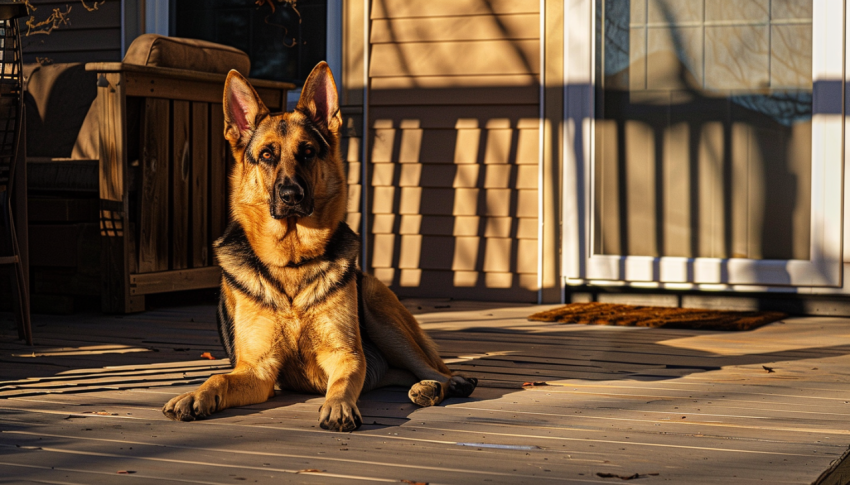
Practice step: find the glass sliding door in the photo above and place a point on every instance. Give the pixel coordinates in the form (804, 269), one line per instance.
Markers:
(716, 147)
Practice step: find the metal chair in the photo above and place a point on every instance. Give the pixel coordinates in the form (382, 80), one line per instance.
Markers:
(11, 114)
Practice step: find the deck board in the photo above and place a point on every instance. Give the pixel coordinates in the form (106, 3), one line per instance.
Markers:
(689, 406)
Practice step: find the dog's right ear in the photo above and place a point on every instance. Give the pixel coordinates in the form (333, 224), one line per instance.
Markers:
(243, 108)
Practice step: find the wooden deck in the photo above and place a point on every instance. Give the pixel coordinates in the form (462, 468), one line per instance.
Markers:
(677, 406)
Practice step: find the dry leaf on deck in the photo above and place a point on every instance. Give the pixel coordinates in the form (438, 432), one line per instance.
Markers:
(534, 384)
(207, 355)
(621, 477)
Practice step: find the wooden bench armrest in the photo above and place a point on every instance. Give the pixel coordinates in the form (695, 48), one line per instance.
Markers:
(186, 85)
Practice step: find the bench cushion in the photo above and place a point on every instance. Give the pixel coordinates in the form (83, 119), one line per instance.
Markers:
(191, 54)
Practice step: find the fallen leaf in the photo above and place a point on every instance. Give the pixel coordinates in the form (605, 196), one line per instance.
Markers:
(413, 483)
(768, 369)
(534, 384)
(621, 477)
(125, 472)
(207, 355)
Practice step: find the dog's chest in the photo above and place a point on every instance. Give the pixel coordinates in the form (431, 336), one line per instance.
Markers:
(300, 286)
(300, 370)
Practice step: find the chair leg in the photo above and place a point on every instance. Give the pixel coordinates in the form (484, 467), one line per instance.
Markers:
(21, 283)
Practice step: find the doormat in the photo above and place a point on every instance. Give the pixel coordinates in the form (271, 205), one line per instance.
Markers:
(654, 316)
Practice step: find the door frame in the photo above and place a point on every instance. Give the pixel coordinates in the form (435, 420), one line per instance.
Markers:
(822, 269)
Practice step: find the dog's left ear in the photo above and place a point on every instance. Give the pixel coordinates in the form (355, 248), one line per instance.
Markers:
(319, 99)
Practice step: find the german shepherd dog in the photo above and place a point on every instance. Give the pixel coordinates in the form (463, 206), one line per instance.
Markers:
(294, 309)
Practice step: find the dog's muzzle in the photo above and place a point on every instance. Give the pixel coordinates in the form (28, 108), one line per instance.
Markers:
(290, 195)
(291, 200)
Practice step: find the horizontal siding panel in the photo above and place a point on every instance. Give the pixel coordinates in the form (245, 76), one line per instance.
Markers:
(459, 147)
(462, 286)
(383, 173)
(459, 226)
(527, 228)
(353, 202)
(75, 56)
(353, 221)
(484, 27)
(526, 205)
(465, 253)
(384, 223)
(494, 255)
(454, 202)
(383, 9)
(455, 58)
(440, 175)
(446, 96)
(497, 202)
(383, 249)
(526, 256)
(527, 177)
(447, 117)
(461, 81)
(73, 41)
(497, 255)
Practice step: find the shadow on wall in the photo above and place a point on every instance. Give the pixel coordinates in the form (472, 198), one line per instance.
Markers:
(453, 150)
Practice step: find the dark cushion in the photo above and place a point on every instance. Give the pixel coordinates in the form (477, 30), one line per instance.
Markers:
(191, 54)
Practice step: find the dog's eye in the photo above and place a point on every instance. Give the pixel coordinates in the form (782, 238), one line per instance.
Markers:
(266, 155)
(309, 152)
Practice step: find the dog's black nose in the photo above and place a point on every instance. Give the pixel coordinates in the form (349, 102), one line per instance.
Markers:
(290, 194)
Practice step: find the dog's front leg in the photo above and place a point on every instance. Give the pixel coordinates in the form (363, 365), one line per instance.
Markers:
(341, 358)
(239, 388)
(346, 370)
(251, 382)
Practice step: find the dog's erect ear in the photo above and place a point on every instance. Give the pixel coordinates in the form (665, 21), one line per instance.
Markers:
(242, 109)
(319, 99)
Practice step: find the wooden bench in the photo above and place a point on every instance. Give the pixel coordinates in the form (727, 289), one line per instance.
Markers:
(160, 213)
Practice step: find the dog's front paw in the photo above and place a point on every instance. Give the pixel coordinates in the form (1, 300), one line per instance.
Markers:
(339, 416)
(192, 405)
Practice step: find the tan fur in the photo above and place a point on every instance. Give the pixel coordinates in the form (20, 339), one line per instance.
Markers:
(289, 303)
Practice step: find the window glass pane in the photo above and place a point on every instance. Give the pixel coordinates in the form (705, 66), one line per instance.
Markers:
(283, 41)
(703, 128)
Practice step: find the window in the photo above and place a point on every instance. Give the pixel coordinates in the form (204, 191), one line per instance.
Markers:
(284, 40)
(704, 128)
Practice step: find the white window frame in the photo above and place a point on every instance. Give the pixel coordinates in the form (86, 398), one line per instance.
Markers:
(580, 265)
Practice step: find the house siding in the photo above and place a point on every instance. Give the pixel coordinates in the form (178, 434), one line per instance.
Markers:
(87, 36)
(454, 148)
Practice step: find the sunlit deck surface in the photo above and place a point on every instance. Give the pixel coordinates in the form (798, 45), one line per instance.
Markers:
(679, 406)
